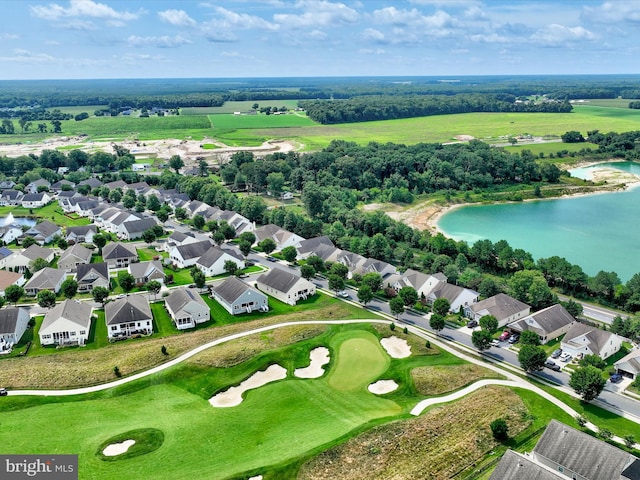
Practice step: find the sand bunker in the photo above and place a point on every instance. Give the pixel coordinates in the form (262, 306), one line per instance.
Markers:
(319, 357)
(396, 347)
(382, 386)
(233, 396)
(118, 448)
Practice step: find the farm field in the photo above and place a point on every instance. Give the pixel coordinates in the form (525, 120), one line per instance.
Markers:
(243, 106)
(605, 102)
(229, 121)
(201, 441)
(551, 147)
(76, 109)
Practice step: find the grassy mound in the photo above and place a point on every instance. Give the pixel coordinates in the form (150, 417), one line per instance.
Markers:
(147, 440)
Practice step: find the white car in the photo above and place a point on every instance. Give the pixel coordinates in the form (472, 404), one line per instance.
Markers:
(495, 343)
(565, 357)
(342, 294)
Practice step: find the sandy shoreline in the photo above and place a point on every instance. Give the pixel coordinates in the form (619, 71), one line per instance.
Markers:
(432, 214)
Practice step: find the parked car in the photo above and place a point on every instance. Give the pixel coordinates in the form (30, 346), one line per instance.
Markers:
(3, 392)
(514, 338)
(342, 294)
(495, 343)
(615, 378)
(565, 357)
(193, 285)
(271, 259)
(556, 353)
(505, 335)
(472, 324)
(552, 365)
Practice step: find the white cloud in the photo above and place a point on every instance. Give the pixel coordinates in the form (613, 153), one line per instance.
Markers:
(53, 43)
(317, 35)
(492, 38)
(81, 8)
(21, 55)
(374, 35)
(369, 51)
(474, 12)
(164, 41)
(414, 18)
(229, 19)
(319, 13)
(613, 12)
(558, 35)
(179, 18)
(9, 36)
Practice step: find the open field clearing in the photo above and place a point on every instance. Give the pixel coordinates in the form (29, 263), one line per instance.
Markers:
(552, 147)
(604, 102)
(439, 379)
(230, 121)
(76, 109)
(243, 106)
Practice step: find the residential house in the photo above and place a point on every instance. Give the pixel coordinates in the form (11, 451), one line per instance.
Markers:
(549, 323)
(9, 233)
(211, 263)
(141, 167)
(59, 186)
(35, 200)
(134, 229)
(112, 218)
(117, 184)
(68, 203)
(91, 182)
(19, 262)
(518, 466)
(629, 365)
(583, 339)
(45, 279)
(353, 261)
(5, 255)
(285, 286)
(10, 278)
(187, 255)
(13, 323)
(282, 238)
(119, 255)
(187, 308)
(459, 298)
(92, 275)
(11, 198)
(68, 323)
(128, 316)
(33, 186)
(179, 238)
(372, 265)
(73, 256)
(7, 184)
(194, 207)
(239, 223)
(44, 232)
(504, 308)
(307, 247)
(236, 297)
(423, 283)
(67, 195)
(145, 272)
(82, 234)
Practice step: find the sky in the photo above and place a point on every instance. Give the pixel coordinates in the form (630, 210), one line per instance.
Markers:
(63, 39)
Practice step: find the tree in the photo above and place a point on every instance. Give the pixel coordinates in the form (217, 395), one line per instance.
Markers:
(500, 429)
(198, 277)
(437, 322)
(230, 267)
(529, 337)
(336, 282)
(203, 167)
(340, 270)
(153, 286)
(572, 137)
(532, 358)
(267, 245)
(163, 215)
(245, 247)
(307, 272)
(153, 203)
(396, 305)
(593, 360)
(248, 237)
(13, 293)
(57, 126)
(176, 163)
(69, 288)
(148, 236)
(62, 243)
(409, 296)
(481, 339)
(198, 221)
(373, 279)
(46, 298)
(100, 294)
(489, 323)
(38, 264)
(28, 241)
(629, 441)
(441, 306)
(115, 195)
(587, 382)
(126, 281)
(365, 295)
(99, 240)
(289, 254)
(275, 183)
(317, 263)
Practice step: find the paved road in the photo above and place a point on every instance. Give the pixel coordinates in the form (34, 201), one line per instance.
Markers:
(596, 312)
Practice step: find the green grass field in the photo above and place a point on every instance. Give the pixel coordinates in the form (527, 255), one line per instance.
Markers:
(605, 102)
(244, 106)
(230, 121)
(76, 109)
(552, 147)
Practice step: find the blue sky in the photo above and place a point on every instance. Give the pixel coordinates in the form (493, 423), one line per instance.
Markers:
(280, 38)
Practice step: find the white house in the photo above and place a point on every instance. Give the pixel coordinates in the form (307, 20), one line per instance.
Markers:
(549, 323)
(586, 340)
(238, 297)
(82, 234)
(179, 238)
(629, 365)
(33, 186)
(211, 263)
(423, 283)
(19, 261)
(73, 256)
(119, 255)
(135, 228)
(187, 255)
(282, 238)
(141, 167)
(9, 233)
(44, 232)
(45, 279)
(187, 308)
(458, 297)
(504, 308)
(145, 272)
(128, 316)
(13, 323)
(35, 200)
(285, 286)
(68, 323)
(10, 278)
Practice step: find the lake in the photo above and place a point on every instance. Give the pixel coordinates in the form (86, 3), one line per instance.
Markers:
(597, 232)
(11, 220)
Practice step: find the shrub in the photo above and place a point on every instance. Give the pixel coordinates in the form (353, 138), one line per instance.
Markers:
(500, 429)
(117, 372)
(581, 421)
(392, 327)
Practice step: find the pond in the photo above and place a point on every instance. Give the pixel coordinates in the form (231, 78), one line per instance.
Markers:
(11, 220)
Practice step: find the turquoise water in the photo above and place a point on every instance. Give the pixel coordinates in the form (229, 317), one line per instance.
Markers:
(597, 232)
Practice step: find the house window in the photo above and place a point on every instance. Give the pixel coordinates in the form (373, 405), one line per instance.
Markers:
(46, 336)
(114, 328)
(83, 332)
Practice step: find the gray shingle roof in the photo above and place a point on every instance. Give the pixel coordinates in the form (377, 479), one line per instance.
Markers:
(278, 279)
(583, 454)
(76, 251)
(82, 230)
(545, 321)
(137, 226)
(143, 269)
(36, 251)
(45, 228)
(33, 197)
(45, 279)
(180, 237)
(194, 250)
(74, 311)
(9, 319)
(212, 255)
(309, 245)
(118, 250)
(133, 308)
(181, 297)
(231, 289)
(514, 466)
(500, 306)
(597, 338)
(101, 269)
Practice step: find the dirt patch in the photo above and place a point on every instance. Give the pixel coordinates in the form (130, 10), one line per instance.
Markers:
(464, 138)
(433, 446)
(441, 379)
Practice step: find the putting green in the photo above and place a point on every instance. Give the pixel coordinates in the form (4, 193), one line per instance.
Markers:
(275, 424)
